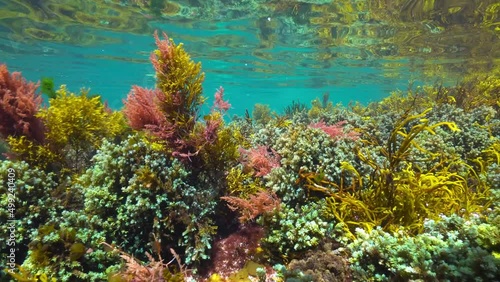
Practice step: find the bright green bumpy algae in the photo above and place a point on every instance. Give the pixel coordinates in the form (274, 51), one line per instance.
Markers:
(296, 230)
(134, 192)
(304, 149)
(33, 204)
(476, 128)
(452, 249)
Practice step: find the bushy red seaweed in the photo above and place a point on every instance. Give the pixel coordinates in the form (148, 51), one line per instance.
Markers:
(19, 102)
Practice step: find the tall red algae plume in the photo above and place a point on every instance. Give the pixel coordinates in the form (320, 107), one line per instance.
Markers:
(219, 102)
(170, 112)
(19, 104)
(160, 63)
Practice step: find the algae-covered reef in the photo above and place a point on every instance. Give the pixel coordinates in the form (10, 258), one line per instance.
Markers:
(402, 189)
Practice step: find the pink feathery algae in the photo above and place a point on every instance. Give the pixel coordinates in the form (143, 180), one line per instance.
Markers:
(260, 203)
(164, 54)
(335, 131)
(261, 159)
(141, 108)
(219, 102)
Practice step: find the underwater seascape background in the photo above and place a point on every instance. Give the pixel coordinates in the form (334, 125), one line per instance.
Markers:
(350, 140)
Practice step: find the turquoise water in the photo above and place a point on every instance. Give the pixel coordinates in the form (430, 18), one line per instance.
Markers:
(258, 56)
(247, 80)
(108, 70)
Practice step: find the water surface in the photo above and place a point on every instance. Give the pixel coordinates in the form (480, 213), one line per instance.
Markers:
(269, 52)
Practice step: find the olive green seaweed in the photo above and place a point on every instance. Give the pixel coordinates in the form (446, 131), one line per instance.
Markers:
(400, 194)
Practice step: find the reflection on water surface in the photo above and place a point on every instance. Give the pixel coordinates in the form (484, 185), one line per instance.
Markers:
(288, 45)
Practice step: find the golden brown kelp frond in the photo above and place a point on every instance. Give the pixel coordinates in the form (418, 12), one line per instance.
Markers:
(414, 197)
(397, 151)
(492, 154)
(398, 193)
